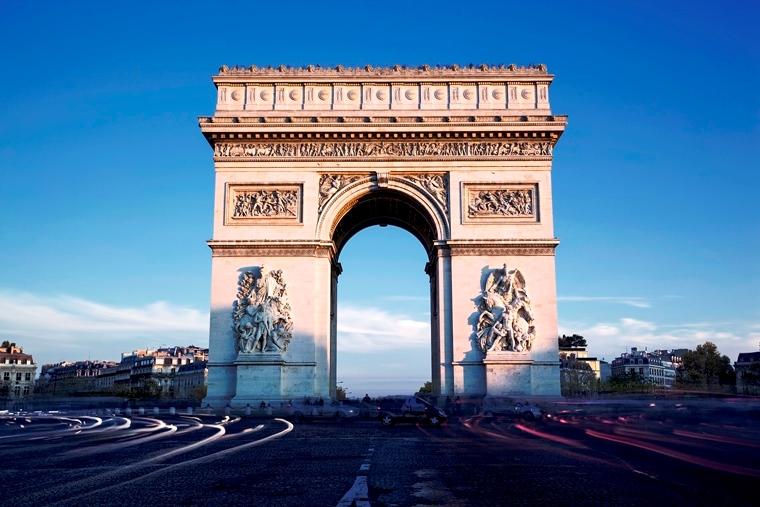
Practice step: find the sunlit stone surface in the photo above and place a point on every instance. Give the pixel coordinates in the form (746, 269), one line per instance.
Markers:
(306, 157)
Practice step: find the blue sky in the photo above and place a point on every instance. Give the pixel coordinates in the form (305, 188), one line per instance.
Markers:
(106, 194)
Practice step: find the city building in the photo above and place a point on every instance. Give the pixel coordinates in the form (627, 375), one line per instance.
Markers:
(674, 356)
(579, 372)
(190, 381)
(649, 367)
(154, 374)
(67, 377)
(574, 346)
(142, 372)
(605, 370)
(747, 367)
(17, 371)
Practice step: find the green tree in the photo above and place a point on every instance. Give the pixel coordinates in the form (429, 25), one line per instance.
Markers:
(705, 367)
(629, 382)
(574, 340)
(577, 378)
(427, 388)
(340, 393)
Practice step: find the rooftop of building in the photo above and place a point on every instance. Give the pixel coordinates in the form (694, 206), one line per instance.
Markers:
(11, 351)
(196, 365)
(748, 357)
(392, 71)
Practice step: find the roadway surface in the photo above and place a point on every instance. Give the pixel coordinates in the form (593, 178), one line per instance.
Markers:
(700, 453)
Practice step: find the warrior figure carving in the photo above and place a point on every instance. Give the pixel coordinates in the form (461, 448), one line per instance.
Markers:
(505, 321)
(261, 315)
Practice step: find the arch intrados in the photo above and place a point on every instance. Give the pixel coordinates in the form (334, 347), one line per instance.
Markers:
(384, 207)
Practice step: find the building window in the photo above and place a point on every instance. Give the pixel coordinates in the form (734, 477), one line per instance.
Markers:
(7, 375)
(28, 377)
(18, 377)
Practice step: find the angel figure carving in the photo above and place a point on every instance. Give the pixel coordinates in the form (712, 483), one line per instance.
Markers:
(505, 320)
(261, 315)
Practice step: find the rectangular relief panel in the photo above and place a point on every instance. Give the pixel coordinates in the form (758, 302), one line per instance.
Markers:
(262, 204)
(500, 203)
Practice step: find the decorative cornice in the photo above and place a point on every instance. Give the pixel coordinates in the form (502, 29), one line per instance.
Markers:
(497, 247)
(278, 120)
(369, 72)
(326, 249)
(271, 248)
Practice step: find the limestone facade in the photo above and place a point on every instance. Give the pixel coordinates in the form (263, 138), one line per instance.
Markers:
(306, 157)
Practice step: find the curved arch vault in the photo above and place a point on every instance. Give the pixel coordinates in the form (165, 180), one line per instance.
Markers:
(306, 158)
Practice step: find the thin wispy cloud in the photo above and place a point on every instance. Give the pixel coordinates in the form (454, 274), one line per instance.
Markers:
(58, 327)
(609, 339)
(367, 329)
(634, 301)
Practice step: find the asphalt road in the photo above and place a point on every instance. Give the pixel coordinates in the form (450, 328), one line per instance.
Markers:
(700, 453)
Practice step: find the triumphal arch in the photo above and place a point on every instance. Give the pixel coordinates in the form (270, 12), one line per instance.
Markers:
(459, 156)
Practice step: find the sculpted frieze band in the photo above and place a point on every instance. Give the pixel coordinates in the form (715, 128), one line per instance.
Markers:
(383, 149)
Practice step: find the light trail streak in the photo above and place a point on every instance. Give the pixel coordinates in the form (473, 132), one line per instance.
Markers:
(548, 436)
(203, 459)
(716, 438)
(687, 458)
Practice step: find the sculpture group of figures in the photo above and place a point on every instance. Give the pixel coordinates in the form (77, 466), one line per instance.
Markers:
(261, 314)
(501, 202)
(266, 203)
(505, 320)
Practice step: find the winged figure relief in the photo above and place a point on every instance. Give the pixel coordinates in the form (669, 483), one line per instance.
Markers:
(505, 320)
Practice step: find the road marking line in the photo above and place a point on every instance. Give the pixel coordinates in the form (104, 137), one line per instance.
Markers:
(359, 492)
(364, 467)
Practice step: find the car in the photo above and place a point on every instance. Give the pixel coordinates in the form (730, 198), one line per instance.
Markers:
(410, 409)
(528, 411)
(333, 410)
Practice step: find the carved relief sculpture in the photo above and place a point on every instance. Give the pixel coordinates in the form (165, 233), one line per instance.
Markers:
(261, 315)
(500, 202)
(265, 203)
(330, 184)
(505, 320)
(435, 184)
(384, 150)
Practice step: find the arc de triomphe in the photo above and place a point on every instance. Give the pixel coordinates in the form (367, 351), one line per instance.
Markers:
(305, 158)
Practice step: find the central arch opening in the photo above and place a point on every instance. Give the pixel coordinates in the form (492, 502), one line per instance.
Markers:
(384, 340)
